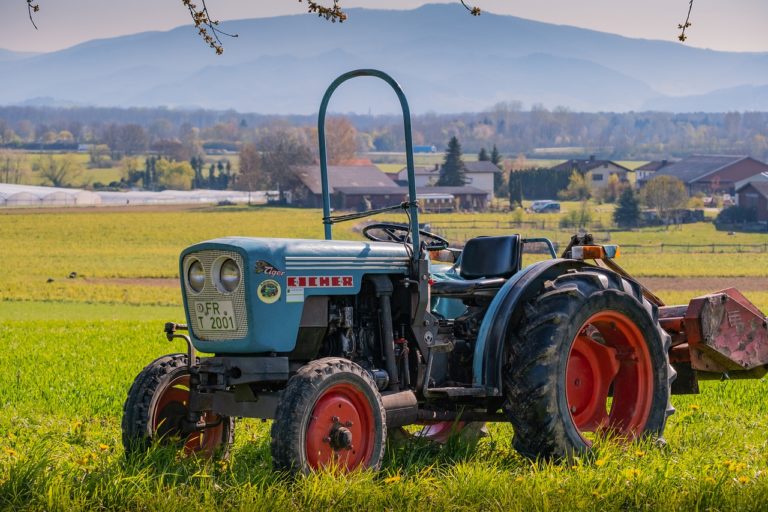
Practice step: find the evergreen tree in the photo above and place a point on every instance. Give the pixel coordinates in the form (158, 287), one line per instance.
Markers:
(627, 212)
(516, 188)
(452, 171)
(197, 166)
(211, 171)
(483, 156)
(145, 177)
(499, 181)
(496, 156)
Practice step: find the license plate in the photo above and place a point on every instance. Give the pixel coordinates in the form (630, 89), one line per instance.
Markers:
(215, 315)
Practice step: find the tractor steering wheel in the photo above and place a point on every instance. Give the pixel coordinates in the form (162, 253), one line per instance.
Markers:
(397, 233)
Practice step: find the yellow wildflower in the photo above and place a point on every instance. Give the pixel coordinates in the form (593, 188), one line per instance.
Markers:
(10, 451)
(631, 473)
(392, 479)
(639, 453)
(743, 479)
(600, 462)
(103, 447)
(694, 407)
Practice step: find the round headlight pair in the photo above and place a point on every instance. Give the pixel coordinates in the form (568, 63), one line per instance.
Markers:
(226, 275)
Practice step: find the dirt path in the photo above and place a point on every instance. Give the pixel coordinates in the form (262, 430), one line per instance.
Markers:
(134, 281)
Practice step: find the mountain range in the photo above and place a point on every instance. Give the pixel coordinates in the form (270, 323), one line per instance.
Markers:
(446, 60)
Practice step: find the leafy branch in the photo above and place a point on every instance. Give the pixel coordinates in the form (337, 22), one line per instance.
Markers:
(682, 26)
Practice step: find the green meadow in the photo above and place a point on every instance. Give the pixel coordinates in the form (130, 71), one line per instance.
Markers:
(70, 348)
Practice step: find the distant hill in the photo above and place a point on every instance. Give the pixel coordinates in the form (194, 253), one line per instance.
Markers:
(8, 55)
(446, 61)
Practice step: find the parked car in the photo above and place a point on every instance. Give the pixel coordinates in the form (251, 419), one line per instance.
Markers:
(545, 206)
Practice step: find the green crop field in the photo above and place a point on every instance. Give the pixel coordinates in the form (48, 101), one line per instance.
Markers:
(70, 348)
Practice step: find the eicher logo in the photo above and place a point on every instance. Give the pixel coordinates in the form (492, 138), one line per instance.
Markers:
(321, 282)
(264, 267)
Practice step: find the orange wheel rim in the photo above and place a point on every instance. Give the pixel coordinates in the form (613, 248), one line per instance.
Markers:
(609, 358)
(170, 411)
(341, 429)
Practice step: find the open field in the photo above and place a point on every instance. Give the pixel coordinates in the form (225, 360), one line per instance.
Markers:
(60, 448)
(69, 350)
(106, 174)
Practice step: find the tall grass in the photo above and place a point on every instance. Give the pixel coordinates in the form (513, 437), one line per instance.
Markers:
(64, 383)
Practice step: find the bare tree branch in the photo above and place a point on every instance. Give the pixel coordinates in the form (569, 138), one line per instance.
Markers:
(206, 27)
(209, 30)
(682, 26)
(332, 14)
(474, 11)
(32, 7)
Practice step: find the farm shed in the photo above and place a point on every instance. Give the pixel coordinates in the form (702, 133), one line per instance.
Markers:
(754, 195)
(596, 172)
(716, 173)
(12, 196)
(309, 193)
(430, 198)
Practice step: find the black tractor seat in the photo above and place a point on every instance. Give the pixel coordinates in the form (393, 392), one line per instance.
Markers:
(485, 265)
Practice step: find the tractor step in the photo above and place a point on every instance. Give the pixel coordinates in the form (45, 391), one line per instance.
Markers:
(457, 392)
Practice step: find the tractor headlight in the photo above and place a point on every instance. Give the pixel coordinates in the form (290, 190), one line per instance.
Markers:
(196, 276)
(229, 275)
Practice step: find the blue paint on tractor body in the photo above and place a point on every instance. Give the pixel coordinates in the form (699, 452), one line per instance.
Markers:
(274, 327)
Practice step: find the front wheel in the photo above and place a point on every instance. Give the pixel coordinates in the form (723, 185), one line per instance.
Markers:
(587, 357)
(329, 415)
(156, 411)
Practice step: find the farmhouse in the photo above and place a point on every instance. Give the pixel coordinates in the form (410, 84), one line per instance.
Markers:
(310, 193)
(647, 171)
(754, 196)
(478, 175)
(430, 198)
(716, 173)
(358, 187)
(596, 172)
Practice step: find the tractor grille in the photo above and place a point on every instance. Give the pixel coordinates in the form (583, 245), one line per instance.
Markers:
(211, 293)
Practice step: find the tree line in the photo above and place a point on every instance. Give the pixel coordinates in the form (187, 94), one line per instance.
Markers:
(633, 135)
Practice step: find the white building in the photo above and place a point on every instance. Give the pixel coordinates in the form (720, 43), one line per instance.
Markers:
(479, 175)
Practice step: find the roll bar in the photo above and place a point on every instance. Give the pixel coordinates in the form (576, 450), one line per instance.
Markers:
(412, 207)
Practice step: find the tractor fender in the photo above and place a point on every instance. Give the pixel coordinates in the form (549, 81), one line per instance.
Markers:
(505, 306)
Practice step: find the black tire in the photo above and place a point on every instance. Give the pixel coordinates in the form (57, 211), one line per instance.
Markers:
(538, 351)
(303, 417)
(146, 420)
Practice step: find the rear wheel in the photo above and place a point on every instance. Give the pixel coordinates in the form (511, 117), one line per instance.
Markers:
(330, 415)
(157, 407)
(588, 357)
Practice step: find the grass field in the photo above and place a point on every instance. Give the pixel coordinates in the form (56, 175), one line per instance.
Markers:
(106, 174)
(69, 350)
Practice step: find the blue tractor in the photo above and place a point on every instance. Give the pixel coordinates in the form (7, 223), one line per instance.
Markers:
(341, 342)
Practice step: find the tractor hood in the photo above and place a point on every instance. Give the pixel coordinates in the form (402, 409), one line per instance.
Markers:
(262, 313)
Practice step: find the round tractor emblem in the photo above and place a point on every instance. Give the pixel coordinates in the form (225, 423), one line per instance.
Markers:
(269, 291)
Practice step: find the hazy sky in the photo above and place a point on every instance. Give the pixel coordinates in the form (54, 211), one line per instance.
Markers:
(736, 25)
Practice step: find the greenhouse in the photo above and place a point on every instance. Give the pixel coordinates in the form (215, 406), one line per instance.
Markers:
(14, 196)
(27, 196)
